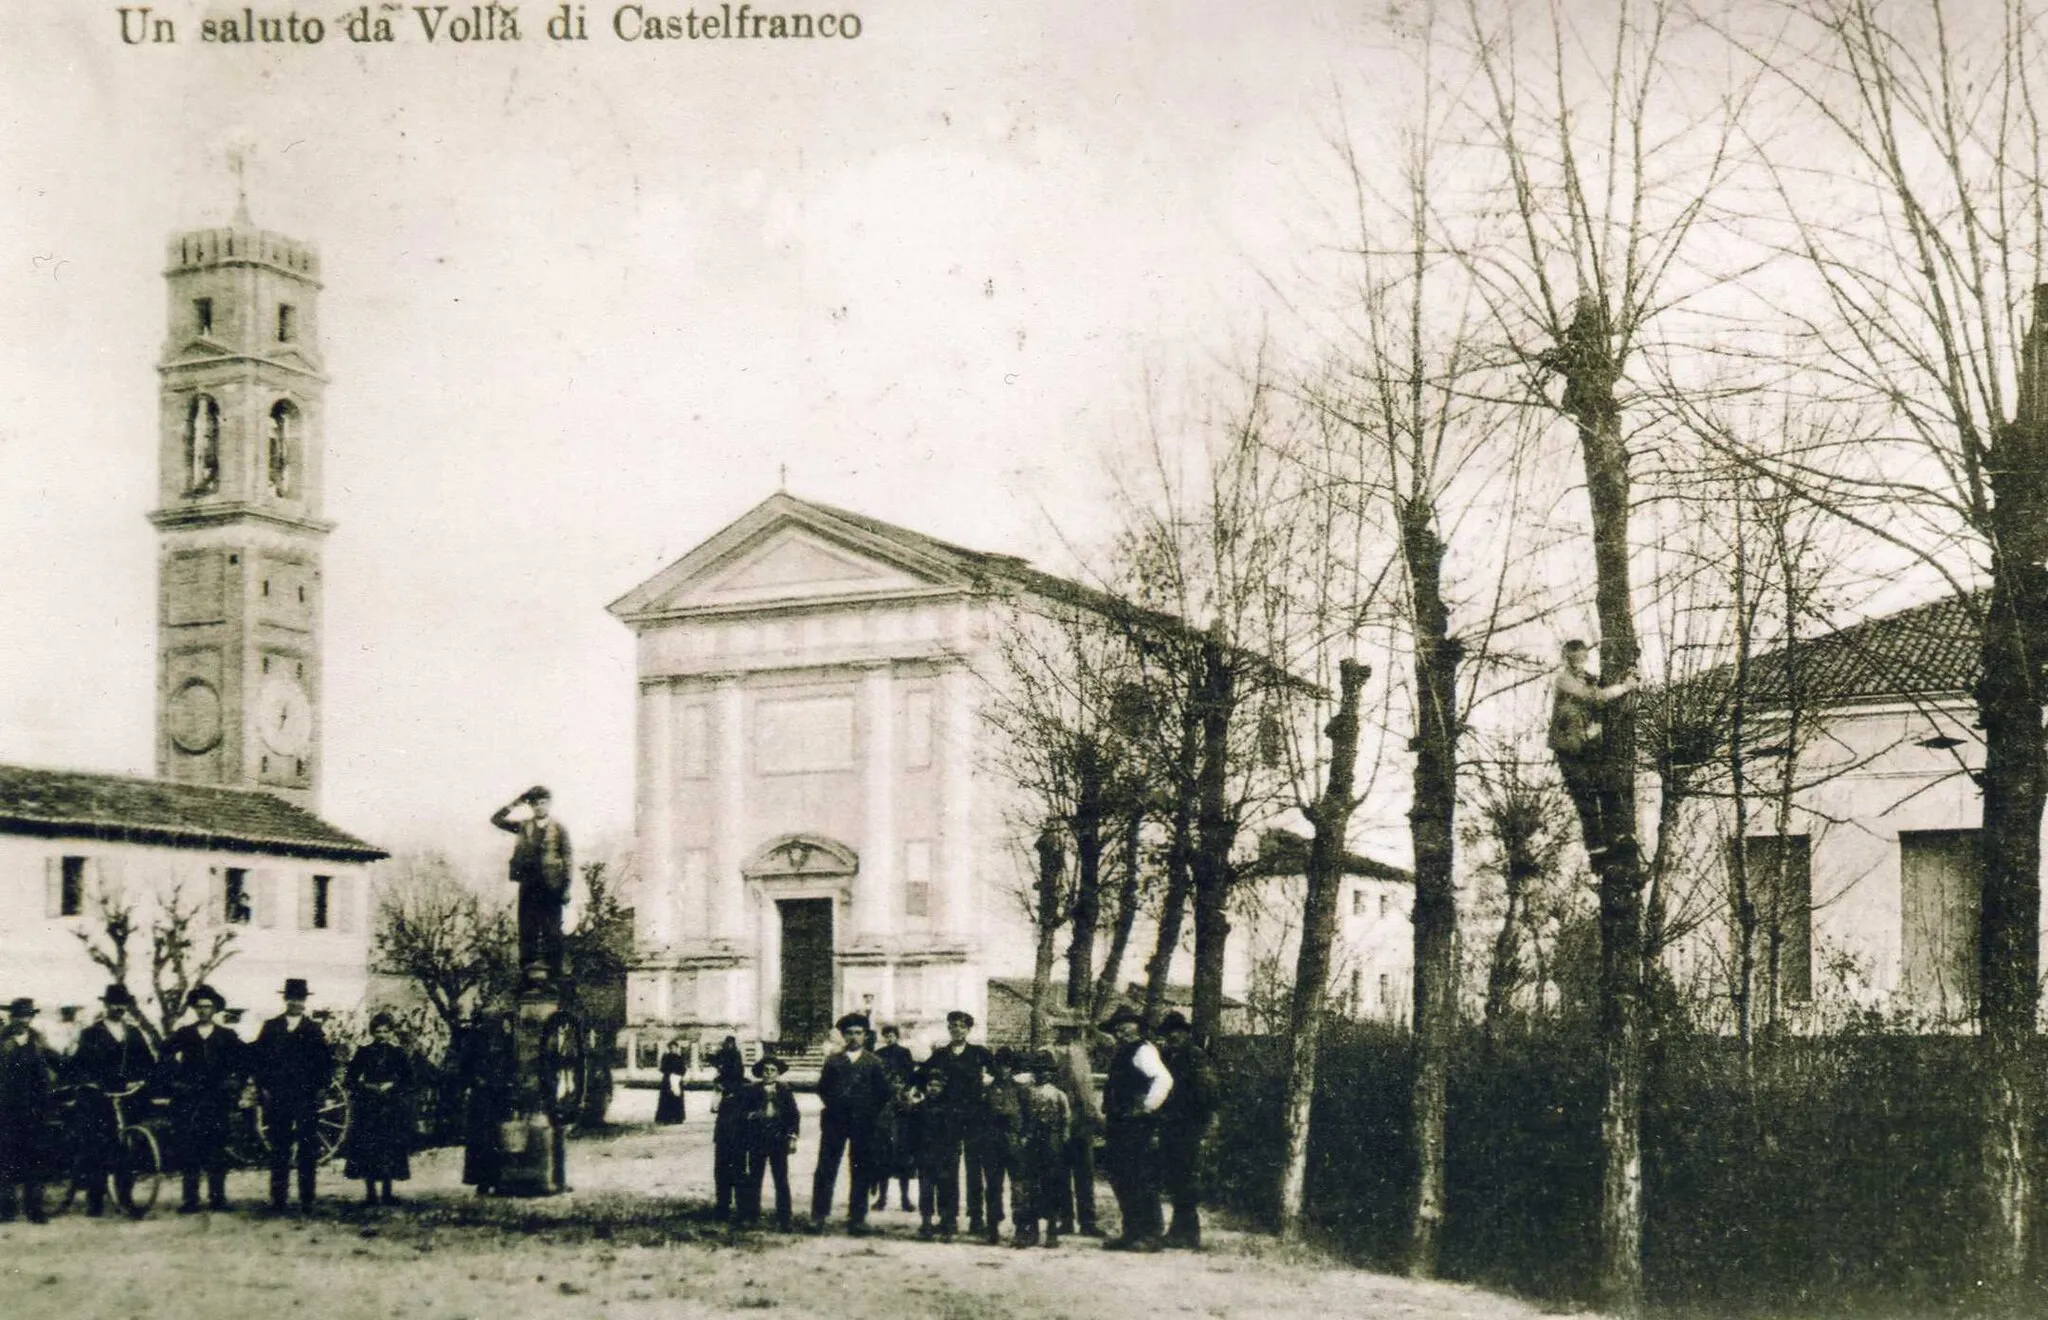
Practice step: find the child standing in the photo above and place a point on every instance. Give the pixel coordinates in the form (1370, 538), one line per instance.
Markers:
(1039, 1166)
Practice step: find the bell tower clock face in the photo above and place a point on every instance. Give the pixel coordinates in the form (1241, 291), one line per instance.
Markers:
(284, 716)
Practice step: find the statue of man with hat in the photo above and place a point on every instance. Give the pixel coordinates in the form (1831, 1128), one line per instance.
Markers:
(293, 1066)
(112, 1056)
(26, 1106)
(542, 867)
(206, 1068)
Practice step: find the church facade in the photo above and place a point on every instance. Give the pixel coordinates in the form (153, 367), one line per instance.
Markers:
(227, 830)
(817, 828)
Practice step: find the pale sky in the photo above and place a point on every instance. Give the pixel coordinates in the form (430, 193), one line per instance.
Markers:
(583, 302)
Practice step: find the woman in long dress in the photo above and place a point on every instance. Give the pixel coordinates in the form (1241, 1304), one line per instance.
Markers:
(669, 1108)
(380, 1135)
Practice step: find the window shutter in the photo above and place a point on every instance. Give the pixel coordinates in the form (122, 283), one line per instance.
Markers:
(216, 897)
(305, 888)
(264, 898)
(53, 886)
(341, 903)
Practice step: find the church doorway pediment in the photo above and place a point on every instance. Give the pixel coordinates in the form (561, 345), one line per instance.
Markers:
(801, 857)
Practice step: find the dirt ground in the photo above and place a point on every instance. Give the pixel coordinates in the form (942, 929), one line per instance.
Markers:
(630, 1241)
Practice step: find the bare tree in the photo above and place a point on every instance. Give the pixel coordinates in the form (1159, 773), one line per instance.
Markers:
(179, 958)
(106, 940)
(443, 936)
(1921, 235)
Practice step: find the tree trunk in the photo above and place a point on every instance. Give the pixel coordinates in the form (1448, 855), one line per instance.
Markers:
(1126, 917)
(2010, 692)
(1215, 835)
(1586, 357)
(1180, 860)
(1050, 863)
(1329, 818)
(1087, 905)
(1431, 817)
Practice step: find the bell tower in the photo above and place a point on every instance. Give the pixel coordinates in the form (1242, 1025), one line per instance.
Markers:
(238, 521)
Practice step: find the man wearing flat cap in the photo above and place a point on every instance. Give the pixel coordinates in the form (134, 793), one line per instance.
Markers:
(26, 1107)
(293, 1066)
(1133, 1092)
(112, 1056)
(206, 1064)
(955, 1115)
(542, 867)
(854, 1085)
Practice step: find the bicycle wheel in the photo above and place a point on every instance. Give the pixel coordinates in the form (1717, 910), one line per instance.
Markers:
(335, 1116)
(139, 1177)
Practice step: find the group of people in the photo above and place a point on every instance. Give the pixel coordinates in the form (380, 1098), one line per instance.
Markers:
(1027, 1121)
(208, 1073)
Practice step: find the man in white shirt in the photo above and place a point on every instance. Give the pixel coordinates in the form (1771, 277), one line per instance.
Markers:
(1136, 1086)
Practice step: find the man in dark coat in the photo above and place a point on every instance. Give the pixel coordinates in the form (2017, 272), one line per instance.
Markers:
(729, 1126)
(1136, 1086)
(206, 1067)
(26, 1110)
(1183, 1124)
(542, 867)
(854, 1086)
(771, 1122)
(112, 1056)
(292, 1065)
(954, 1115)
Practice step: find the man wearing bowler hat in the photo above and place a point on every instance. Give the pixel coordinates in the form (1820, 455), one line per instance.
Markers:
(1183, 1125)
(854, 1085)
(26, 1107)
(206, 1064)
(293, 1066)
(112, 1055)
(542, 868)
(1132, 1093)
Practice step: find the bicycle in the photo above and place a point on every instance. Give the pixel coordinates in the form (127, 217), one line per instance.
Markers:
(137, 1160)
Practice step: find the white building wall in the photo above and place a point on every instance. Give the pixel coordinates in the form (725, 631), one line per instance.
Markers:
(41, 957)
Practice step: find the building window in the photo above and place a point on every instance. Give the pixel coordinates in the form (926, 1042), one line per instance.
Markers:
(1357, 989)
(917, 729)
(1779, 870)
(803, 735)
(693, 742)
(323, 889)
(1358, 902)
(202, 315)
(287, 323)
(917, 879)
(68, 896)
(1941, 894)
(1386, 906)
(1386, 990)
(236, 906)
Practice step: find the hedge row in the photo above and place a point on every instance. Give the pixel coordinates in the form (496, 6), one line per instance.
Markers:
(1835, 1174)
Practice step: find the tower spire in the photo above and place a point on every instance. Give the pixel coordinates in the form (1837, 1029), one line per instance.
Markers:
(238, 159)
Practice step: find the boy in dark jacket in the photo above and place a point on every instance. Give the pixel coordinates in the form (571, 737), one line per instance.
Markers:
(770, 1121)
(1038, 1164)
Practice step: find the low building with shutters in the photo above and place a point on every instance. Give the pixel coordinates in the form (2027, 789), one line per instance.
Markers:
(290, 890)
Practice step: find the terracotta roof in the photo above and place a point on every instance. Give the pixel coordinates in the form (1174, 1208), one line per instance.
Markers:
(73, 804)
(1929, 650)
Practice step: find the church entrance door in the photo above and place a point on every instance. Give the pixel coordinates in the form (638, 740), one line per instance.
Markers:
(806, 971)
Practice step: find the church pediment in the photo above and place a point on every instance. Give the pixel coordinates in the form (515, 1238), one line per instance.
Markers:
(801, 857)
(779, 554)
